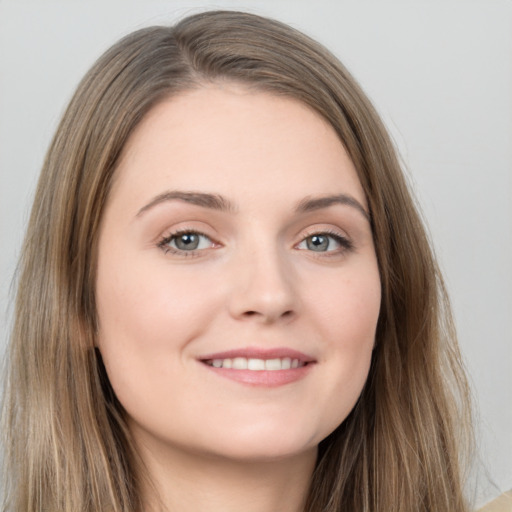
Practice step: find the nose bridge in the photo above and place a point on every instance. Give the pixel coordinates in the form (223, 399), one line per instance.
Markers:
(263, 286)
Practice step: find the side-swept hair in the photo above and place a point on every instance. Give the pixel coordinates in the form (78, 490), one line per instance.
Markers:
(67, 447)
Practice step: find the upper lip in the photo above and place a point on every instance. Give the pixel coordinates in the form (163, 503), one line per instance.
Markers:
(260, 353)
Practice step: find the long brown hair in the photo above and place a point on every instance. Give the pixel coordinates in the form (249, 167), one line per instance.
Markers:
(67, 447)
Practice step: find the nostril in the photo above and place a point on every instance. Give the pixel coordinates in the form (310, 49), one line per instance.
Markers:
(252, 313)
(285, 314)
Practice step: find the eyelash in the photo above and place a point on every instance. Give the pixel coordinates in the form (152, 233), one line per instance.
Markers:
(345, 243)
(164, 243)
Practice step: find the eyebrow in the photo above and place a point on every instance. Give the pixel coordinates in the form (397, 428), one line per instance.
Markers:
(310, 204)
(220, 203)
(212, 201)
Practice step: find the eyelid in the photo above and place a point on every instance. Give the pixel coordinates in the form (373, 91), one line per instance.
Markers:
(342, 239)
(164, 242)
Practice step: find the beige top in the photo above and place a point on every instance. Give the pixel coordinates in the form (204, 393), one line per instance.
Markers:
(502, 503)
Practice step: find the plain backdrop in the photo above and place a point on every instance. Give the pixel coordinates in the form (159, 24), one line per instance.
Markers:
(439, 72)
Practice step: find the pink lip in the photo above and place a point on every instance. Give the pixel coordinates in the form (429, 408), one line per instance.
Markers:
(261, 378)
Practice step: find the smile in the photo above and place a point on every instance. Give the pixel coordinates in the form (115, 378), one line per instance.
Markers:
(253, 364)
(260, 367)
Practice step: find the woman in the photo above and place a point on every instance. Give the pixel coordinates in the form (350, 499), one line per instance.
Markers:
(227, 300)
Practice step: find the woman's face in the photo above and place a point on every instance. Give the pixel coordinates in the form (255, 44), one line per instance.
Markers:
(237, 287)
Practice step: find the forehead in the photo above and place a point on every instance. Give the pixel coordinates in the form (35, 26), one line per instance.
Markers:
(227, 139)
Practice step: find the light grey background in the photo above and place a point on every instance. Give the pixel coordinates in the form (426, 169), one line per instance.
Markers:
(440, 73)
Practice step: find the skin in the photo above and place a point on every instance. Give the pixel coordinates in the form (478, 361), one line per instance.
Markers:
(212, 443)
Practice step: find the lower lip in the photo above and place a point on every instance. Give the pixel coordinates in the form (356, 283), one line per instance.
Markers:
(263, 378)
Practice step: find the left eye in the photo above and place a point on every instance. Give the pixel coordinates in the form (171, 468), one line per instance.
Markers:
(323, 242)
(187, 241)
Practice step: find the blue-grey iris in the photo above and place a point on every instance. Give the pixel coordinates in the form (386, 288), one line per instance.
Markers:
(187, 241)
(318, 243)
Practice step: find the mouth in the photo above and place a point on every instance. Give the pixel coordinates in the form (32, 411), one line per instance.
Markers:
(260, 367)
(256, 364)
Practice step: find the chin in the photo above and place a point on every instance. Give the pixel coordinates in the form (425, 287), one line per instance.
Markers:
(253, 444)
(273, 451)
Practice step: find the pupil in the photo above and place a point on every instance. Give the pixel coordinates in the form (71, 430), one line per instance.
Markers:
(187, 241)
(318, 243)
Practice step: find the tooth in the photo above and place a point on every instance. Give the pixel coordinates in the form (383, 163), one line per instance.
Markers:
(273, 364)
(240, 363)
(255, 364)
(286, 363)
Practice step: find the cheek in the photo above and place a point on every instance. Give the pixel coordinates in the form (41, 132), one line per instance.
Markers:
(347, 307)
(147, 319)
(354, 324)
(346, 315)
(147, 304)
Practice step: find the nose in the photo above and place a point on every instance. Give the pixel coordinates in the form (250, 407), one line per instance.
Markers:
(263, 288)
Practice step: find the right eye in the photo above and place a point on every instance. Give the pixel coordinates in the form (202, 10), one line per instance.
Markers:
(186, 242)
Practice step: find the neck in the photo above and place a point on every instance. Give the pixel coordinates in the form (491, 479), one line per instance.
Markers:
(192, 483)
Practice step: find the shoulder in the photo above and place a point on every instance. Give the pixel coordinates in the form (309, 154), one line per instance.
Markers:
(502, 503)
